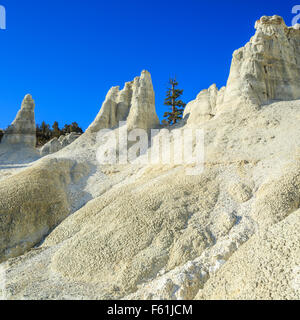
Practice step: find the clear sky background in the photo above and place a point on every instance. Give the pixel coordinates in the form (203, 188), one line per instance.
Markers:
(68, 53)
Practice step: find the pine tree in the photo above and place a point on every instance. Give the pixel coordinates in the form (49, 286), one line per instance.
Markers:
(67, 129)
(176, 105)
(56, 130)
(46, 129)
(75, 128)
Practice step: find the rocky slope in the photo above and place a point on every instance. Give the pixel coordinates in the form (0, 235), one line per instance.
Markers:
(142, 231)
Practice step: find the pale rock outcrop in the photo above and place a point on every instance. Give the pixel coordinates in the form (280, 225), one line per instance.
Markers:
(57, 144)
(50, 147)
(268, 67)
(134, 104)
(142, 113)
(205, 106)
(22, 130)
(68, 138)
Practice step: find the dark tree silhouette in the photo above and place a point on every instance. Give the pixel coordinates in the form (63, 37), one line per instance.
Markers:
(1, 134)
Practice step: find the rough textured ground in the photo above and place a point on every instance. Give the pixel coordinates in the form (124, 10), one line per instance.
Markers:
(162, 234)
(266, 267)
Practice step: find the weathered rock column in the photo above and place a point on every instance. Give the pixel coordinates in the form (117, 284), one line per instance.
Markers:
(134, 104)
(23, 129)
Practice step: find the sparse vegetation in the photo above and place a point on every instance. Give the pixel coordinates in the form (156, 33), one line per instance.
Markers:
(176, 105)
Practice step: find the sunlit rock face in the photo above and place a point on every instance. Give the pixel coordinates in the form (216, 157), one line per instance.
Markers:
(266, 69)
(134, 104)
(204, 107)
(23, 129)
(57, 144)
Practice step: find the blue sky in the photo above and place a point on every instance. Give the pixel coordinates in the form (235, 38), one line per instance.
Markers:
(68, 53)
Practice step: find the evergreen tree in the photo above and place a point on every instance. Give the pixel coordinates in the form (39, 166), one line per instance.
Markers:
(46, 129)
(56, 130)
(1, 134)
(67, 129)
(75, 128)
(176, 105)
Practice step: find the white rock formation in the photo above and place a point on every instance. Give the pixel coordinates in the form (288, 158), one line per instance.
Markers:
(204, 107)
(50, 147)
(57, 144)
(22, 130)
(135, 103)
(265, 69)
(142, 114)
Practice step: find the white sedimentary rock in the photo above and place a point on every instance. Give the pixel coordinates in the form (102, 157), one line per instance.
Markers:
(50, 147)
(57, 144)
(204, 107)
(142, 113)
(23, 130)
(266, 69)
(136, 103)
